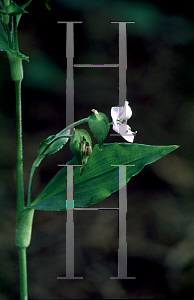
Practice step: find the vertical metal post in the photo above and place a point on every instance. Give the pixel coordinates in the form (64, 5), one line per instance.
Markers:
(69, 227)
(122, 250)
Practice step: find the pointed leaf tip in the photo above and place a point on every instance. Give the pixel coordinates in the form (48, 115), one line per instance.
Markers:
(101, 178)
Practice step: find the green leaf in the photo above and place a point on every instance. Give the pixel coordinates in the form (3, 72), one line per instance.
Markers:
(3, 12)
(1, 5)
(98, 123)
(18, 17)
(13, 9)
(100, 179)
(105, 117)
(4, 45)
(48, 4)
(53, 143)
(18, 54)
(45, 144)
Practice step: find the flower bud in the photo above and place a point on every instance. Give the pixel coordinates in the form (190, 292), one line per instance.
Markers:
(88, 151)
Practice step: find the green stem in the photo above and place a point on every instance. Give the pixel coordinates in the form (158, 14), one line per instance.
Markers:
(40, 157)
(23, 274)
(24, 217)
(24, 220)
(8, 34)
(20, 186)
(16, 35)
(73, 125)
(20, 190)
(6, 17)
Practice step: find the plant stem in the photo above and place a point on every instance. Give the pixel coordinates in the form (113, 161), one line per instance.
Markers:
(16, 34)
(20, 186)
(40, 157)
(20, 192)
(24, 217)
(73, 125)
(23, 273)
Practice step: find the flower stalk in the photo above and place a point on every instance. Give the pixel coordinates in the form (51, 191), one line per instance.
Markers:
(20, 224)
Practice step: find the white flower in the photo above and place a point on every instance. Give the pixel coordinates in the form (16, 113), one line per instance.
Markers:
(120, 115)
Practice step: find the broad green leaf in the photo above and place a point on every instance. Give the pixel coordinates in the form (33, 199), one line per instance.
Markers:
(100, 179)
(105, 117)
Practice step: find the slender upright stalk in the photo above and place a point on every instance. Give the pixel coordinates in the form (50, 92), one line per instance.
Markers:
(24, 215)
(23, 274)
(20, 191)
(20, 186)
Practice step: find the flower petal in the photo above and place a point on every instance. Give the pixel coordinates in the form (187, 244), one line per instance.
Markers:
(129, 137)
(126, 111)
(116, 126)
(123, 112)
(115, 113)
(126, 133)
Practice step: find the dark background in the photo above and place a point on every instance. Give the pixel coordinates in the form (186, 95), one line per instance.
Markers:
(160, 75)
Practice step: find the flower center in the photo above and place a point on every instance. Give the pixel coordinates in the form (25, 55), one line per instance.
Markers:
(122, 121)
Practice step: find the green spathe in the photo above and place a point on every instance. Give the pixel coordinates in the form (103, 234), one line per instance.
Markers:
(100, 179)
(99, 125)
(75, 143)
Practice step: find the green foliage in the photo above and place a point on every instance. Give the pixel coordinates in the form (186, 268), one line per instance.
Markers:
(100, 179)
(23, 6)
(11, 15)
(5, 40)
(13, 9)
(53, 143)
(48, 4)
